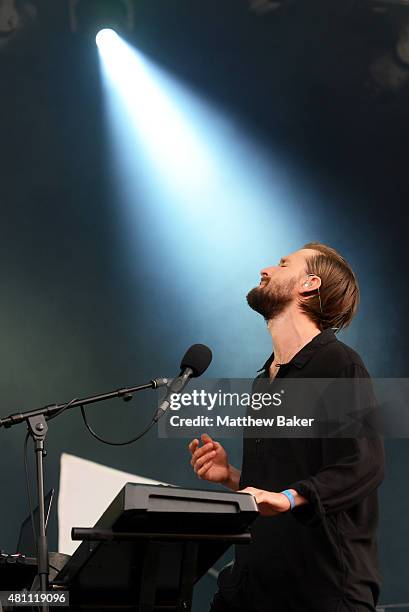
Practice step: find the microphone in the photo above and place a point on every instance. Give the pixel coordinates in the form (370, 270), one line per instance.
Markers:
(195, 361)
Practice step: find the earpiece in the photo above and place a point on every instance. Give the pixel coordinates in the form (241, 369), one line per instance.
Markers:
(307, 284)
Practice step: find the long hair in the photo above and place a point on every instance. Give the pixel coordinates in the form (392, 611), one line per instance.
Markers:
(338, 297)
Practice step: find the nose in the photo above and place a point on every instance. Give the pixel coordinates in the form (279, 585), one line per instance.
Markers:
(266, 272)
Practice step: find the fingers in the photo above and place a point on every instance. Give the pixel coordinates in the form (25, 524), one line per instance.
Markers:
(252, 491)
(201, 451)
(200, 473)
(193, 445)
(202, 456)
(203, 460)
(206, 438)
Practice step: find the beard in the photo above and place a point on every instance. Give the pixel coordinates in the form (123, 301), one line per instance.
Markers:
(271, 299)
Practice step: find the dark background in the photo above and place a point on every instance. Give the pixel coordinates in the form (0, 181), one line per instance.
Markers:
(302, 82)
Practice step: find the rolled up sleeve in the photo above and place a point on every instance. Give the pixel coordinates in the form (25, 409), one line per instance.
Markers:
(353, 469)
(357, 472)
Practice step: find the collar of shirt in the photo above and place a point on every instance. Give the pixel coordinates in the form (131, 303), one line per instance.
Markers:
(305, 354)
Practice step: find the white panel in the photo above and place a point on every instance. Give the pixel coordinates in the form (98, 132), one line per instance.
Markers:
(86, 490)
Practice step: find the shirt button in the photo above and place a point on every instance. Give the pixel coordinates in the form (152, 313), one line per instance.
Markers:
(258, 440)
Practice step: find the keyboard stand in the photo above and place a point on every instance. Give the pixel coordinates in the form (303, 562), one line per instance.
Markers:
(153, 593)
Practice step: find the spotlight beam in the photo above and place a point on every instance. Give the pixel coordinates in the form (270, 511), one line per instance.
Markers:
(195, 191)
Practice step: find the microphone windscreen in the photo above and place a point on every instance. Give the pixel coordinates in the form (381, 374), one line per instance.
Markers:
(198, 357)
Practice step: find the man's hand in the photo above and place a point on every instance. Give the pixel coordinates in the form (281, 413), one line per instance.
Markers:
(210, 462)
(269, 504)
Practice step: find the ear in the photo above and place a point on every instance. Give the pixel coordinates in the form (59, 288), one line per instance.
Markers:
(309, 285)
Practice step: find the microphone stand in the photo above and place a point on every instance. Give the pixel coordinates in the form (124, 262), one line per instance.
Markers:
(37, 426)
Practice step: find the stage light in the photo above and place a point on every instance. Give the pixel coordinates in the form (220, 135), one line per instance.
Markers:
(15, 18)
(105, 36)
(389, 67)
(402, 46)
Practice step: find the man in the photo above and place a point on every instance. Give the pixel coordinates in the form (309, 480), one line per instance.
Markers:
(314, 545)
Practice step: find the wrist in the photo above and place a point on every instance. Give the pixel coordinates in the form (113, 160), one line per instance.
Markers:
(299, 500)
(233, 479)
(290, 497)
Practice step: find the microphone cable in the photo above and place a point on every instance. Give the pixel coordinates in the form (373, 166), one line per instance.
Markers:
(110, 442)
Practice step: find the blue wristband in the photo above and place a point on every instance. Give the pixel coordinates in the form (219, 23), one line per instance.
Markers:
(290, 497)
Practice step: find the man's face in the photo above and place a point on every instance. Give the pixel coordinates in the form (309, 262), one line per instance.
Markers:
(280, 285)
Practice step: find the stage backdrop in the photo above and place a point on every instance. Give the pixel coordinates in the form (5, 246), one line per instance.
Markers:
(99, 293)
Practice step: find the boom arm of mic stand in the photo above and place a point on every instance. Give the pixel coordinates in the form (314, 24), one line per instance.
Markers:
(51, 410)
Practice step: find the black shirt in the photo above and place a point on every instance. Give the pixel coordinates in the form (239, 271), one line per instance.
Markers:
(322, 555)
